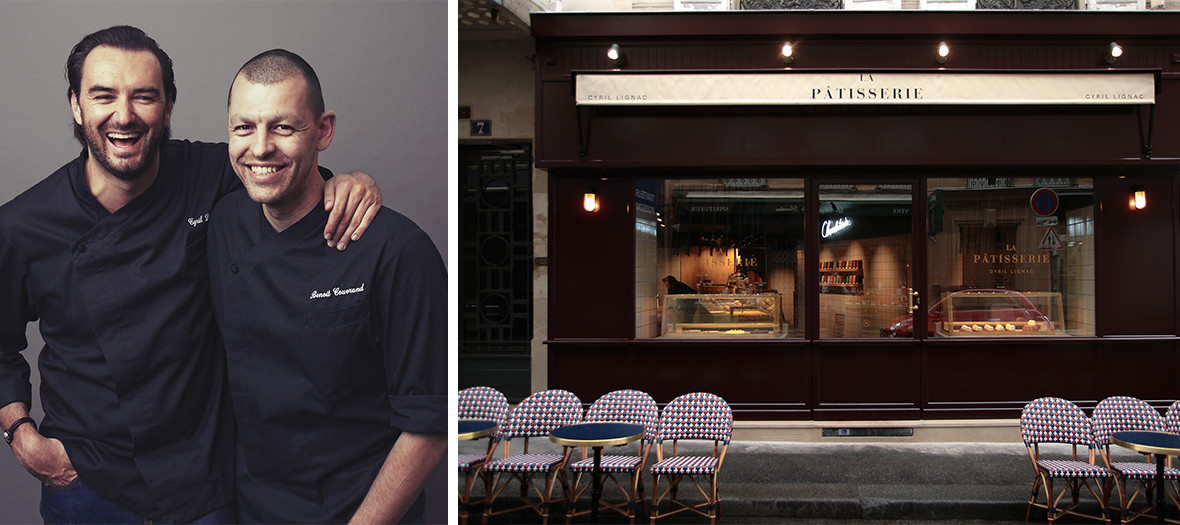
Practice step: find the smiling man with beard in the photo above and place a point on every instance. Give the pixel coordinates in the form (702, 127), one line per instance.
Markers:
(109, 254)
(121, 113)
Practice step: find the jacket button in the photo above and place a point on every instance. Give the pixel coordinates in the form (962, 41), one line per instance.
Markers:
(81, 247)
(233, 268)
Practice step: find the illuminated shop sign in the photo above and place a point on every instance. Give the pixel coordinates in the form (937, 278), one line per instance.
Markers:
(867, 88)
(832, 227)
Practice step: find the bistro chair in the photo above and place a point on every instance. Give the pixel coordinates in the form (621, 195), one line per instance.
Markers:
(696, 416)
(478, 402)
(1117, 414)
(1052, 420)
(627, 406)
(536, 416)
(1172, 420)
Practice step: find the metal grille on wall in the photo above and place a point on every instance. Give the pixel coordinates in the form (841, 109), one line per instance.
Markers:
(839, 4)
(495, 267)
(791, 4)
(1026, 4)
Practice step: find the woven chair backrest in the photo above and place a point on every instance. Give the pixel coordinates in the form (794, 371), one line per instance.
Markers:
(542, 412)
(1173, 418)
(483, 402)
(699, 415)
(628, 406)
(1055, 420)
(1119, 413)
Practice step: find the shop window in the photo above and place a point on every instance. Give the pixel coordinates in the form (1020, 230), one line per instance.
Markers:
(719, 258)
(865, 258)
(1010, 257)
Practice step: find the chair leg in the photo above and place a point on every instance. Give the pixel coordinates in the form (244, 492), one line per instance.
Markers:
(1050, 501)
(1032, 499)
(654, 509)
(571, 497)
(563, 477)
(636, 497)
(546, 498)
(1124, 501)
(715, 504)
(716, 494)
(489, 505)
(1107, 513)
(465, 499)
(716, 499)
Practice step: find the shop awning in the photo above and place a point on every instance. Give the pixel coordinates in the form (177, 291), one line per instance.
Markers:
(864, 88)
(895, 88)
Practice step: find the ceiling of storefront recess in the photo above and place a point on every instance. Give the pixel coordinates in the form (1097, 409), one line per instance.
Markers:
(496, 19)
(509, 19)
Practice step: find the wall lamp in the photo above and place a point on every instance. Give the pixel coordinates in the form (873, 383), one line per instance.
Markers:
(944, 51)
(615, 55)
(787, 54)
(1113, 52)
(590, 200)
(1138, 197)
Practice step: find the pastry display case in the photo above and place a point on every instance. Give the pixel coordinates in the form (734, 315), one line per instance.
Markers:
(720, 315)
(998, 313)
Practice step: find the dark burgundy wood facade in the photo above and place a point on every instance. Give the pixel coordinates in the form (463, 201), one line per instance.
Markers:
(591, 343)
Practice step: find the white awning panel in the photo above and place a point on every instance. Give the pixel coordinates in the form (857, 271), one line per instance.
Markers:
(890, 88)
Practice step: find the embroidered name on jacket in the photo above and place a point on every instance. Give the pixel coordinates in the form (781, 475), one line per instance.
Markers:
(198, 220)
(337, 292)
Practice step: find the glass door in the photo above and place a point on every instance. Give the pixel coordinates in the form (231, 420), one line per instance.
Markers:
(866, 260)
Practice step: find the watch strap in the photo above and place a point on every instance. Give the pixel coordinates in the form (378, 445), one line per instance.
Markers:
(10, 431)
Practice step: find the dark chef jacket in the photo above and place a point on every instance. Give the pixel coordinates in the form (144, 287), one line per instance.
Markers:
(331, 355)
(132, 373)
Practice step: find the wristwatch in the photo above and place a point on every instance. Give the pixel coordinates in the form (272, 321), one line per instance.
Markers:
(10, 431)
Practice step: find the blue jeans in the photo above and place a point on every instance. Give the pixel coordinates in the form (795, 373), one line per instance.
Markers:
(78, 503)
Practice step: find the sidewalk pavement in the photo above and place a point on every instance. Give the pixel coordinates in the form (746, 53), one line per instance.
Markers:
(880, 482)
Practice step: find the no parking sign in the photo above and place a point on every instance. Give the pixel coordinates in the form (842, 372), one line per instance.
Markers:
(1044, 202)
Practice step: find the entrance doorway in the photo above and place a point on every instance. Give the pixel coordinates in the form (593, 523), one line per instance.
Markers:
(865, 258)
(495, 267)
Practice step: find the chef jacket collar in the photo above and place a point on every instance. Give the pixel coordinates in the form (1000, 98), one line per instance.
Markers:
(87, 200)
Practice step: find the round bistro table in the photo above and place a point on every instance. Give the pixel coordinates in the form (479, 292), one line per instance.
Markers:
(476, 428)
(596, 435)
(1162, 445)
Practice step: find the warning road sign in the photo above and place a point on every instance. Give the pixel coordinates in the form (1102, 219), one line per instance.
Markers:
(1051, 241)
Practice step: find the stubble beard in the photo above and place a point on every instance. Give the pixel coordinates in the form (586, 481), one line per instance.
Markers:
(130, 168)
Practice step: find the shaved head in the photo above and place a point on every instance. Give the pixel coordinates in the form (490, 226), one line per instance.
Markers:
(277, 65)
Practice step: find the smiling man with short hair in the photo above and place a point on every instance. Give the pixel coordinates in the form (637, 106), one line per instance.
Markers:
(336, 360)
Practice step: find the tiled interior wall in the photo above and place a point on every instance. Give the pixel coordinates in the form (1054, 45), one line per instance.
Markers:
(1078, 281)
(648, 285)
(785, 274)
(886, 270)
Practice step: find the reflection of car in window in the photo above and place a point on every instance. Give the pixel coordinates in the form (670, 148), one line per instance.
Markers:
(978, 310)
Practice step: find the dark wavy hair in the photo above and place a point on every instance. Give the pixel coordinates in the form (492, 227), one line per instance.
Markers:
(120, 37)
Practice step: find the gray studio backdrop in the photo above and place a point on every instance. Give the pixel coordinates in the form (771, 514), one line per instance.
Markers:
(382, 63)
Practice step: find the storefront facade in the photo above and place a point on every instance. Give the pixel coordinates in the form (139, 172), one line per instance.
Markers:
(812, 208)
